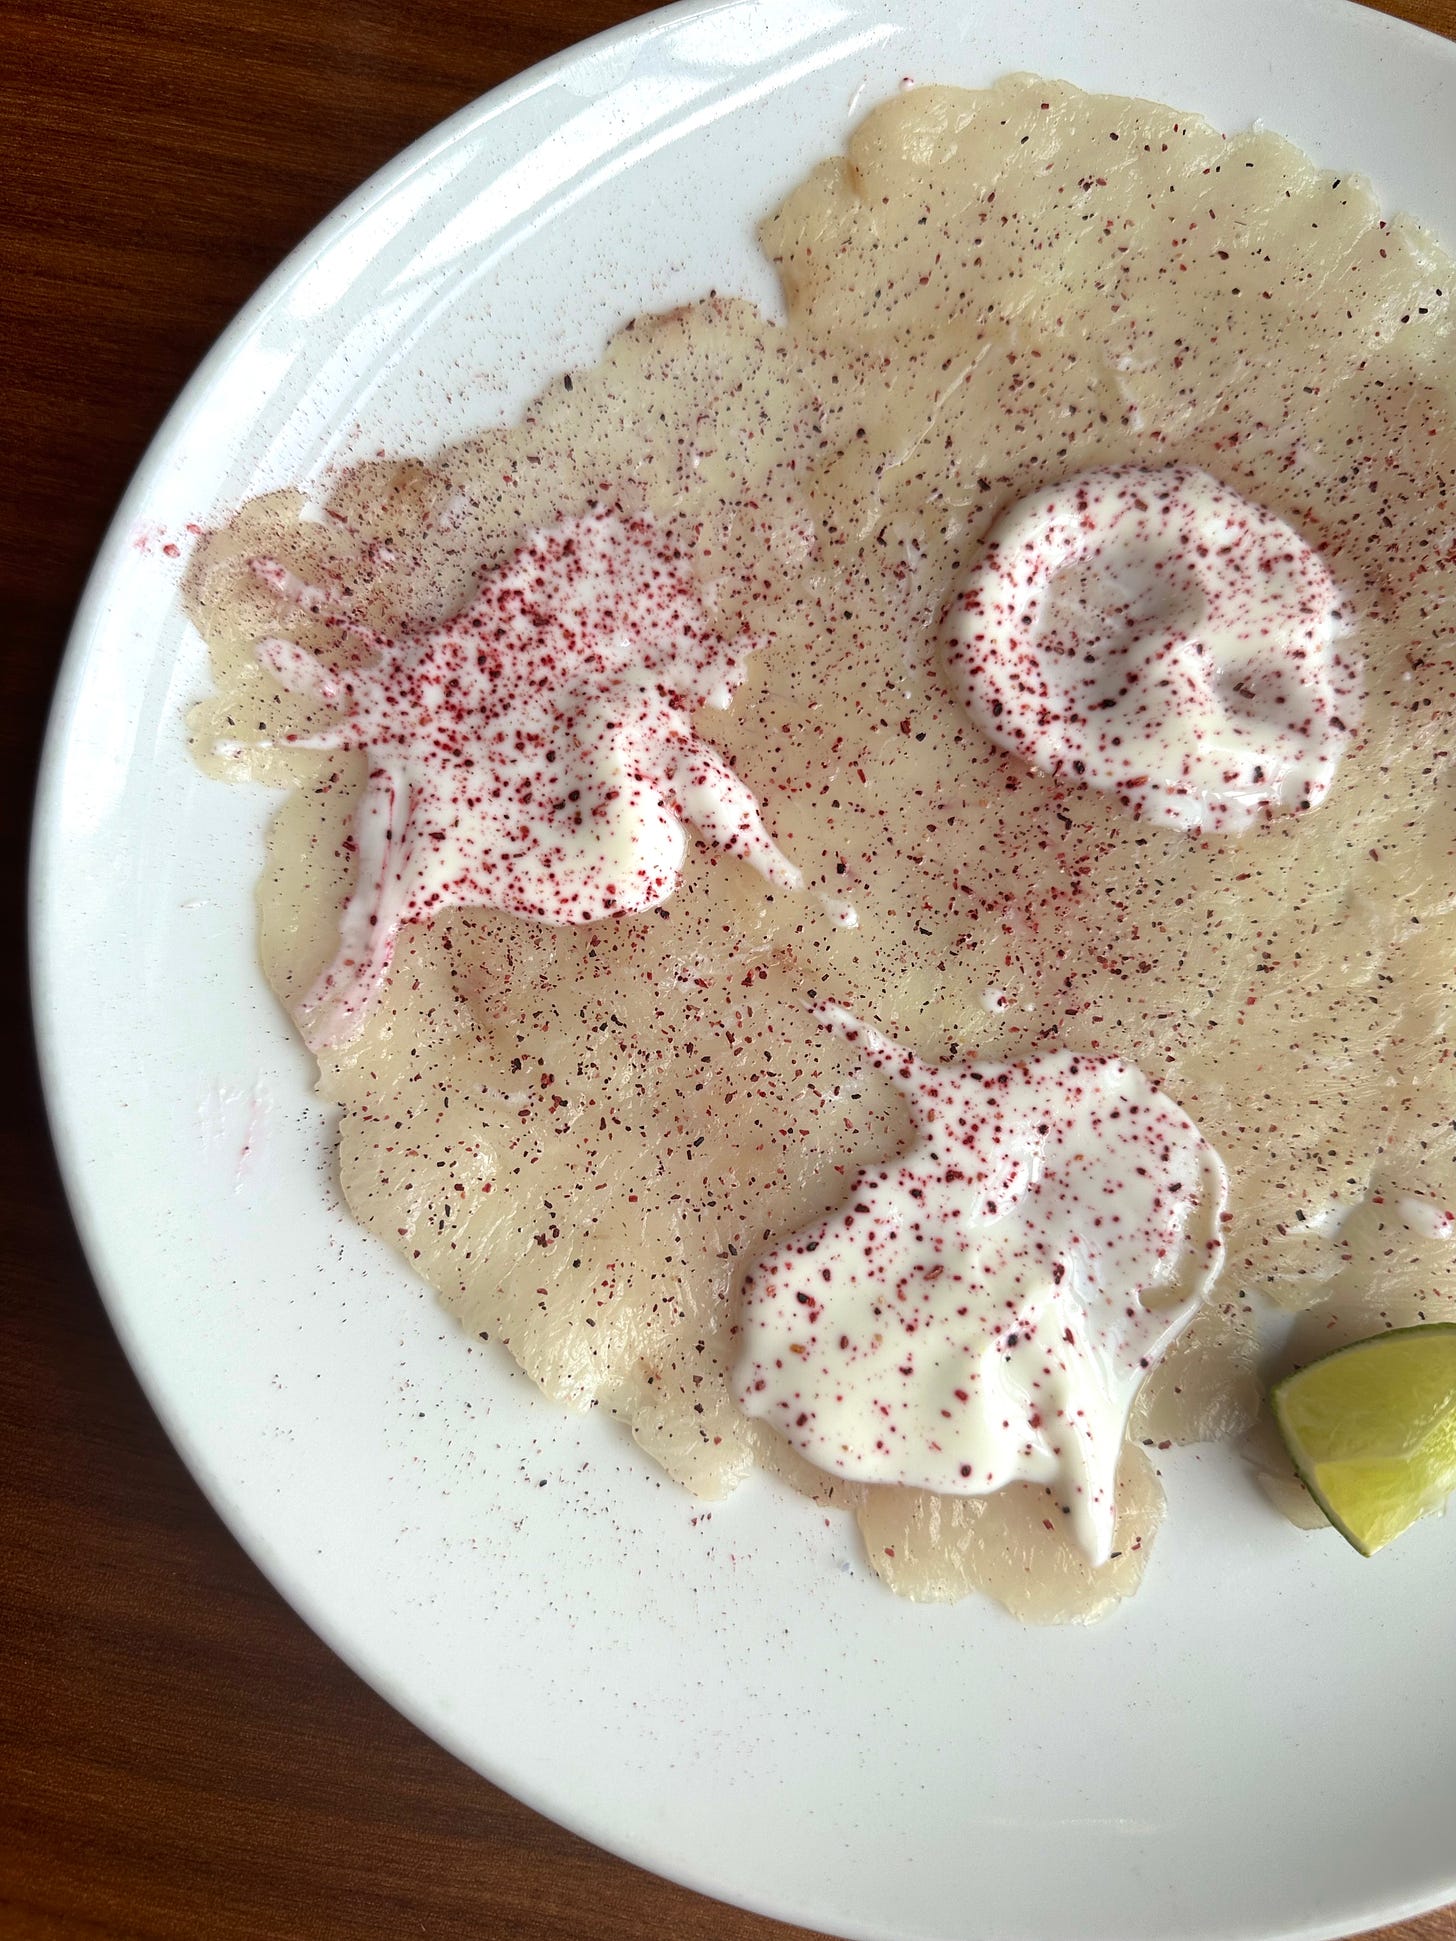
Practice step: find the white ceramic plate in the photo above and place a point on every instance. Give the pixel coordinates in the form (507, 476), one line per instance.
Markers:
(1260, 1745)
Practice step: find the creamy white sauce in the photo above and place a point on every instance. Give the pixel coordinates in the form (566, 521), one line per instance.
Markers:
(1427, 1218)
(984, 1310)
(534, 754)
(1325, 1220)
(1152, 634)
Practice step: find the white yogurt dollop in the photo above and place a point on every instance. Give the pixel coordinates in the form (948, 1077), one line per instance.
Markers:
(536, 753)
(1152, 634)
(974, 1314)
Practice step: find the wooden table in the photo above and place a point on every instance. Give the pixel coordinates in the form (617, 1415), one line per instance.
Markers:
(179, 1756)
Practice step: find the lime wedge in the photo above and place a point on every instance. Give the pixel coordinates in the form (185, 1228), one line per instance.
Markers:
(1372, 1431)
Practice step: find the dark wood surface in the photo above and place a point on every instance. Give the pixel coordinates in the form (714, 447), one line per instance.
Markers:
(179, 1756)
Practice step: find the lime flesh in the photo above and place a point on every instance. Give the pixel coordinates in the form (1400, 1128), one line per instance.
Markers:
(1372, 1431)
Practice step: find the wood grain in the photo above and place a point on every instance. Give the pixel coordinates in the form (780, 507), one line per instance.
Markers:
(179, 1756)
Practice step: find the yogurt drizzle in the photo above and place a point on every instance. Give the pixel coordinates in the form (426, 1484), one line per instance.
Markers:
(1194, 672)
(1425, 1217)
(971, 1316)
(534, 754)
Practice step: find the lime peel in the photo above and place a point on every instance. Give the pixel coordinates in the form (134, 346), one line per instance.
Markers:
(1371, 1430)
